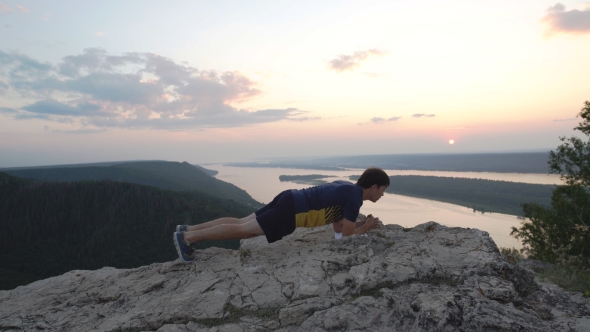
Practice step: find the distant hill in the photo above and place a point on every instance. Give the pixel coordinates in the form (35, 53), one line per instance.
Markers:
(299, 165)
(210, 172)
(161, 174)
(9, 183)
(533, 162)
(525, 162)
(49, 228)
(103, 163)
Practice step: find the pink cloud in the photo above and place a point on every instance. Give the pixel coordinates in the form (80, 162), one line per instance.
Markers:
(378, 120)
(572, 21)
(349, 62)
(23, 9)
(4, 8)
(134, 90)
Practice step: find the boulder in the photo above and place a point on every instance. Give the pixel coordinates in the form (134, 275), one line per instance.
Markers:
(428, 278)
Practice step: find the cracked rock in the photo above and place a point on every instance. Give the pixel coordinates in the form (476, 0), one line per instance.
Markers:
(430, 278)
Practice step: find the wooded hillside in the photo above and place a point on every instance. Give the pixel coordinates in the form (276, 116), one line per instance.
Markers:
(162, 174)
(47, 229)
(477, 194)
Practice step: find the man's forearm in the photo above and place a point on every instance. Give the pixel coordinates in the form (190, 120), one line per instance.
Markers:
(362, 229)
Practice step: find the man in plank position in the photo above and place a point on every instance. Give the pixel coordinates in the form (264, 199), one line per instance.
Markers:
(337, 203)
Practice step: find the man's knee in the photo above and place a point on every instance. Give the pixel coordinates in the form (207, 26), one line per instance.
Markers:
(248, 218)
(251, 228)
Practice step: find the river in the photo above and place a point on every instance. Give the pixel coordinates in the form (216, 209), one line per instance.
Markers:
(263, 184)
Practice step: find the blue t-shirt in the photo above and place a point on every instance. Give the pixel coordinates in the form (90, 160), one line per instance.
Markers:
(327, 203)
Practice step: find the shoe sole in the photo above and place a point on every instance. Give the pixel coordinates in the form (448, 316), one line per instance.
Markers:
(178, 251)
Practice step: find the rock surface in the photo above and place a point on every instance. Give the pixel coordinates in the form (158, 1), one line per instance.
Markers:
(430, 278)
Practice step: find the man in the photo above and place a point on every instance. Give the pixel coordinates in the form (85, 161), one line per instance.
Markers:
(337, 203)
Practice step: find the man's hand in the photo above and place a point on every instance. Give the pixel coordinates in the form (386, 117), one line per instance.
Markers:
(348, 227)
(372, 222)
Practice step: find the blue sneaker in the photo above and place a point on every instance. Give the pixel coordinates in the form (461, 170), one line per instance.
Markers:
(181, 228)
(184, 250)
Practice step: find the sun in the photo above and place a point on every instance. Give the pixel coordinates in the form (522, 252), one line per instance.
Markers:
(451, 142)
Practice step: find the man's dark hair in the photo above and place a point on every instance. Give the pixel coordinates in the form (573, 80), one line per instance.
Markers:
(371, 176)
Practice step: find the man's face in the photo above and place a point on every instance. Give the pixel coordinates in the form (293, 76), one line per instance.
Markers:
(376, 193)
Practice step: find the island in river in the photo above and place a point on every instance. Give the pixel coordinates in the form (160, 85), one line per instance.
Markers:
(311, 179)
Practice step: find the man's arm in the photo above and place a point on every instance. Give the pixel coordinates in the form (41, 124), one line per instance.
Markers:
(349, 227)
(338, 225)
(337, 230)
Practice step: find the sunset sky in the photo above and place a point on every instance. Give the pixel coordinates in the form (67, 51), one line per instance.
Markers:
(216, 81)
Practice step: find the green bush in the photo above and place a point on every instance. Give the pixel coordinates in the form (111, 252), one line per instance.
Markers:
(561, 233)
(512, 255)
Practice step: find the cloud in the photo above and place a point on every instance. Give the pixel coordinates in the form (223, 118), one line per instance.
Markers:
(7, 110)
(133, 90)
(20, 67)
(28, 116)
(99, 33)
(350, 62)
(4, 8)
(56, 108)
(562, 120)
(573, 21)
(422, 115)
(374, 75)
(77, 131)
(304, 118)
(383, 120)
(3, 88)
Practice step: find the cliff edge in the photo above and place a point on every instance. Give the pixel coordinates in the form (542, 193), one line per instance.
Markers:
(429, 278)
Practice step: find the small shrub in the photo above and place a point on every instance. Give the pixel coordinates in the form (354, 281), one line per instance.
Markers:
(380, 235)
(513, 256)
(244, 253)
(430, 228)
(571, 272)
(570, 278)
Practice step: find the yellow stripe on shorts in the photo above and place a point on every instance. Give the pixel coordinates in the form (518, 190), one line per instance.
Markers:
(312, 218)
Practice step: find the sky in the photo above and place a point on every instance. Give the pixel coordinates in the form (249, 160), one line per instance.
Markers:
(218, 81)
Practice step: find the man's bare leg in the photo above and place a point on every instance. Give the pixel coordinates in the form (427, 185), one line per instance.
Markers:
(221, 221)
(225, 231)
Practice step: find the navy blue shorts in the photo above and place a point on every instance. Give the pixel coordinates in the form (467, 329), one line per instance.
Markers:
(277, 218)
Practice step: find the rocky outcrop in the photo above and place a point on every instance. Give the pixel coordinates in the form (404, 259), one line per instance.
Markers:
(428, 278)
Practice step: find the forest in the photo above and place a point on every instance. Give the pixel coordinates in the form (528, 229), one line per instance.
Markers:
(162, 174)
(49, 228)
